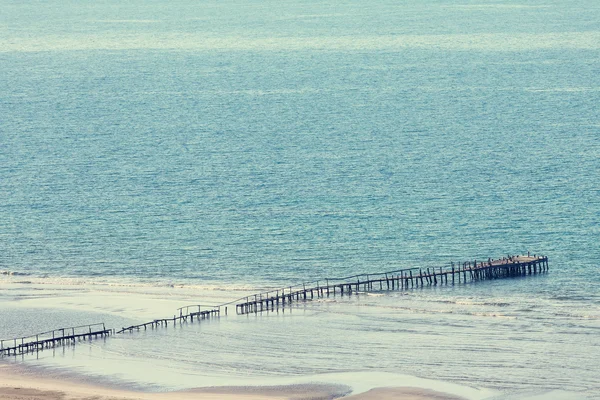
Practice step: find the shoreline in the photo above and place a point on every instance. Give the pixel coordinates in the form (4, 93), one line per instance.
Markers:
(121, 368)
(19, 385)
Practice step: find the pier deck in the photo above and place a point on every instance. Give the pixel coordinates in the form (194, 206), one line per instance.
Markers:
(408, 278)
(54, 338)
(402, 279)
(184, 315)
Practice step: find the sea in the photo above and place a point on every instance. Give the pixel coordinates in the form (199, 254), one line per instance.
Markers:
(158, 154)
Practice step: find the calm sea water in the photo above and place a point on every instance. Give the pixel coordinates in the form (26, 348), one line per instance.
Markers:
(189, 145)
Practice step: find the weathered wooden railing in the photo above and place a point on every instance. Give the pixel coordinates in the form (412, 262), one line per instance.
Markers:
(54, 338)
(401, 279)
(182, 317)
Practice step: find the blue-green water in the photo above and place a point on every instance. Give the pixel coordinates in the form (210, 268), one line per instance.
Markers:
(262, 143)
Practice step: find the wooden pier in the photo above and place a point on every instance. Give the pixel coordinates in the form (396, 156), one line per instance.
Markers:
(185, 313)
(403, 279)
(51, 339)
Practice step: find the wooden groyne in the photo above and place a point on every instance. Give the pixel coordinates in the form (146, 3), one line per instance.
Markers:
(51, 339)
(185, 313)
(402, 279)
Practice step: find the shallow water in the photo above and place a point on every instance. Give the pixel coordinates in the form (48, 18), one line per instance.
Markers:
(489, 334)
(162, 155)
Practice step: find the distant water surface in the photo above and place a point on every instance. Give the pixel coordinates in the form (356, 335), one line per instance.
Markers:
(245, 145)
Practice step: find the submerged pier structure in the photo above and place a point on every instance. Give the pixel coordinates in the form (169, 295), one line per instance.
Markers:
(52, 339)
(402, 279)
(185, 313)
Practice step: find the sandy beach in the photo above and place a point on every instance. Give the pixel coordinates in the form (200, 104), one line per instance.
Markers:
(16, 386)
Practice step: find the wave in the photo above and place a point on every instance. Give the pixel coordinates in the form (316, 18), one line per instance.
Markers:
(474, 303)
(491, 314)
(586, 40)
(117, 283)
(574, 297)
(416, 309)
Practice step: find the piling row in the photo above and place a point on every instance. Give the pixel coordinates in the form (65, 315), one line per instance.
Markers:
(403, 279)
(459, 273)
(184, 314)
(52, 339)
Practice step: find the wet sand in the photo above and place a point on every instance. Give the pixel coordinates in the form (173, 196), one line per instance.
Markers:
(14, 386)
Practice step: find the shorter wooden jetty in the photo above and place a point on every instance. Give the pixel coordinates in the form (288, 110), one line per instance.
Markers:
(402, 279)
(51, 339)
(186, 312)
